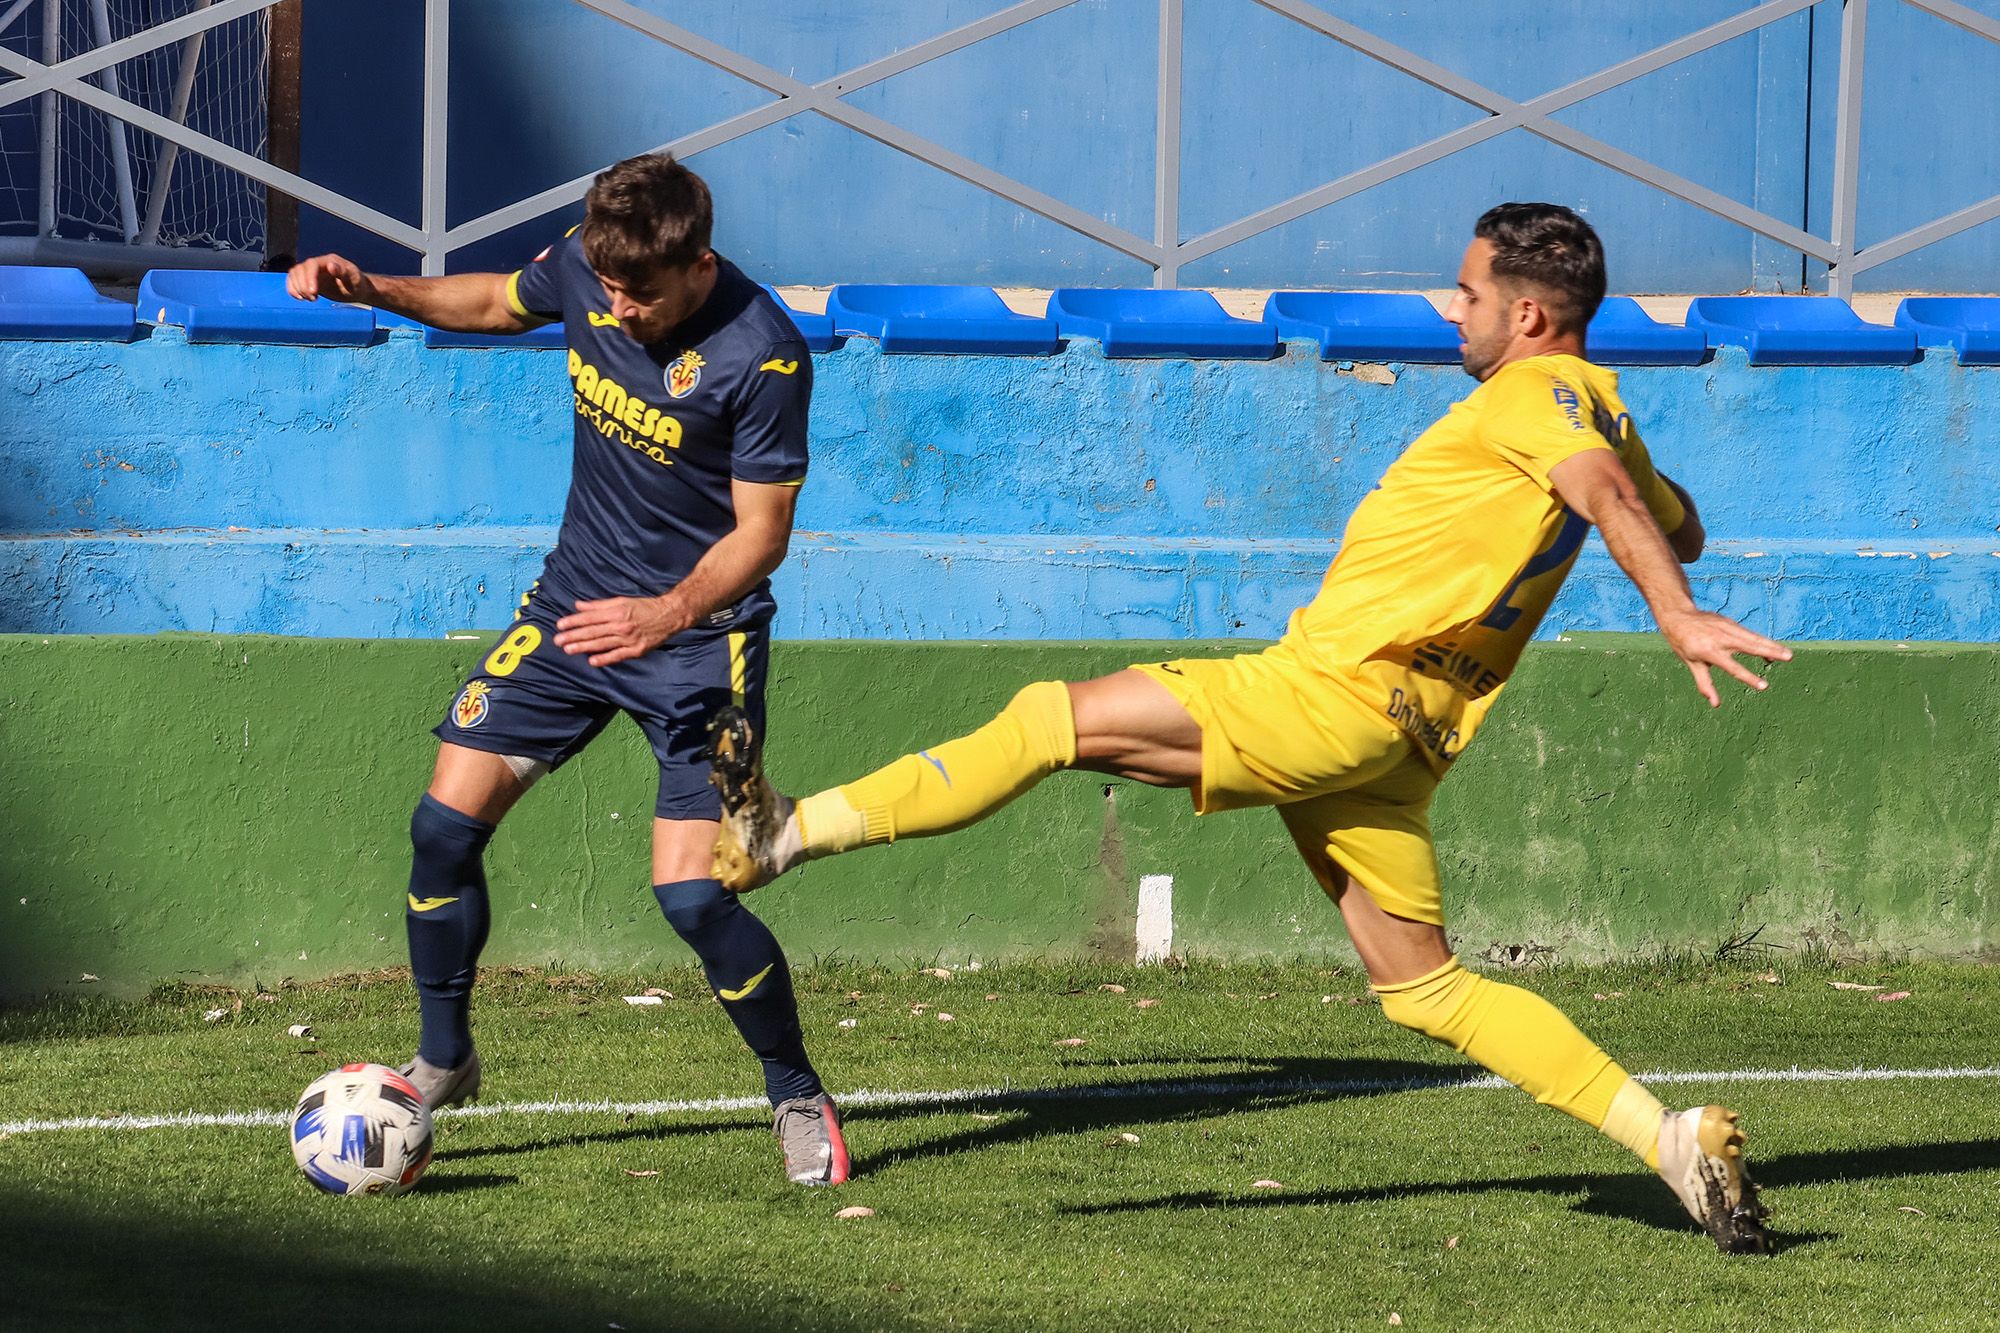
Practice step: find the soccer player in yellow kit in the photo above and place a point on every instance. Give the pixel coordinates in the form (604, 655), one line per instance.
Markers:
(1349, 722)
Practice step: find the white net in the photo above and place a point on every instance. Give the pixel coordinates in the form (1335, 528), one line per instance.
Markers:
(18, 142)
(116, 183)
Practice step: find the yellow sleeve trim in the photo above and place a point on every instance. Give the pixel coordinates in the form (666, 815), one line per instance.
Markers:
(514, 297)
(1668, 511)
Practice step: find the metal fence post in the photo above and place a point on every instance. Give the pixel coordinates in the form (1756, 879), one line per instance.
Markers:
(121, 153)
(1847, 147)
(51, 107)
(437, 119)
(1167, 155)
(169, 152)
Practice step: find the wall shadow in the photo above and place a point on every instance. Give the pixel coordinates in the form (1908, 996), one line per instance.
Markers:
(72, 1265)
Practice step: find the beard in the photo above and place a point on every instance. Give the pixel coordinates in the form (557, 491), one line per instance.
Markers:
(1481, 356)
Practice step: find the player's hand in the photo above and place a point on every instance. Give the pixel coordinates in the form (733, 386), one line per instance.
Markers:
(330, 276)
(1703, 639)
(617, 629)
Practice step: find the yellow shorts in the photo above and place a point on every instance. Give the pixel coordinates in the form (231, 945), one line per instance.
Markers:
(1352, 790)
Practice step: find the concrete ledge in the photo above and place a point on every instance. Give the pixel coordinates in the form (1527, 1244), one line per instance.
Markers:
(426, 582)
(236, 808)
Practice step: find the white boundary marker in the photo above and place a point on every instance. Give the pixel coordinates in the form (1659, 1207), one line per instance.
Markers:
(1248, 1088)
(1155, 929)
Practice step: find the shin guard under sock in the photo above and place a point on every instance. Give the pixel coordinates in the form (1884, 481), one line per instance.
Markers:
(447, 919)
(747, 970)
(951, 785)
(1516, 1034)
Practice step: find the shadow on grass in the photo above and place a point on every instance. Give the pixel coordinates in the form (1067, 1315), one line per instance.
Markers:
(636, 1132)
(69, 1264)
(1270, 1084)
(1632, 1196)
(1247, 1085)
(450, 1184)
(1835, 1165)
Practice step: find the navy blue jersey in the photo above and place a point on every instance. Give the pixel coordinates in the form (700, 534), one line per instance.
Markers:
(662, 429)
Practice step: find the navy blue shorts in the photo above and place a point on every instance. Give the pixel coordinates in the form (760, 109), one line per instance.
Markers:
(530, 698)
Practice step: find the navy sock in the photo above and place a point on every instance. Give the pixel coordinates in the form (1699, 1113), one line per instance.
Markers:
(747, 969)
(447, 918)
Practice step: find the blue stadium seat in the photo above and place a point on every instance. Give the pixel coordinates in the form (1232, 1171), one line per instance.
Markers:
(1800, 331)
(59, 303)
(1623, 334)
(215, 307)
(939, 319)
(817, 330)
(1148, 322)
(1969, 323)
(1365, 326)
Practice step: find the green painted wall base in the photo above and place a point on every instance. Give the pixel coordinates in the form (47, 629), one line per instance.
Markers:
(236, 809)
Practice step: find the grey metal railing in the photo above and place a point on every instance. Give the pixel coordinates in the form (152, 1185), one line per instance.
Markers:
(1165, 251)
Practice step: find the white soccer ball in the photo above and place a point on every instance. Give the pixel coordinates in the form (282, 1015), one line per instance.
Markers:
(362, 1129)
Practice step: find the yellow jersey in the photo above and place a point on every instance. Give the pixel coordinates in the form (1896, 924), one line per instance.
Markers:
(1450, 563)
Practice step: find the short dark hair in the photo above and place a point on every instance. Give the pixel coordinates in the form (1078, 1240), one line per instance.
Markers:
(1549, 247)
(645, 213)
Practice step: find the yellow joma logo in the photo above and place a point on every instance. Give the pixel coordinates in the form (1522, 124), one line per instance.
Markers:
(598, 321)
(781, 367)
(747, 986)
(428, 904)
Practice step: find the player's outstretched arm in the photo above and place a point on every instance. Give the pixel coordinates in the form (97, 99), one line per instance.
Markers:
(613, 629)
(461, 302)
(1596, 485)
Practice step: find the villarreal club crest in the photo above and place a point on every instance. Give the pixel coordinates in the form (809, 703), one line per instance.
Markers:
(684, 374)
(471, 708)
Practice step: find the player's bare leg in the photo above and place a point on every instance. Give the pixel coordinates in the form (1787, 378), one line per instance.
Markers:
(681, 848)
(475, 783)
(1126, 724)
(1131, 726)
(448, 915)
(1527, 1041)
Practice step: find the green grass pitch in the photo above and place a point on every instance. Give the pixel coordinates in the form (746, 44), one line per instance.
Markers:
(1107, 1185)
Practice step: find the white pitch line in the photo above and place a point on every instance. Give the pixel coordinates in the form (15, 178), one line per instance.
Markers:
(983, 1096)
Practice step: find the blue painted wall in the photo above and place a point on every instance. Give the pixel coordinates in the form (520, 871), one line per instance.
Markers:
(399, 491)
(1065, 104)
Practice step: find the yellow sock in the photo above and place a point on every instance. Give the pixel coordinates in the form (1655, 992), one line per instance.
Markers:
(1527, 1041)
(951, 785)
(1634, 1120)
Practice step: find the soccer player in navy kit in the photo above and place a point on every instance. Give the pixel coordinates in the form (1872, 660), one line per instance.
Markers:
(690, 387)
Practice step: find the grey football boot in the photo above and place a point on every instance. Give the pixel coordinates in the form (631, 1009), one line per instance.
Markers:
(808, 1129)
(444, 1087)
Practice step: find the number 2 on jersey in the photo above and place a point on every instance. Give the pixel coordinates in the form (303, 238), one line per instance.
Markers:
(1568, 537)
(512, 650)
